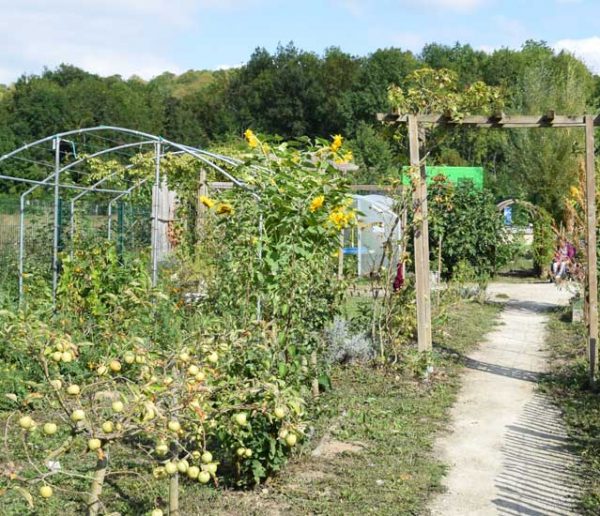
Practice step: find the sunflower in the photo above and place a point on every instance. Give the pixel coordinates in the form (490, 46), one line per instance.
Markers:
(251, 138)
(225, 208)
(207, 201)
(316, 203)
(337, 143)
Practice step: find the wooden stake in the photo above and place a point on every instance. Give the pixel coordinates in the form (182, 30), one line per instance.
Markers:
(174, 495)
(421, 239)
(592, 273)
(314, 366)
(341, 257)
(200, 208)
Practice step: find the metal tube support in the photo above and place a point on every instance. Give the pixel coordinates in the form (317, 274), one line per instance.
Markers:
(72, 225)
(56, 219)
(109, 230)
(21, 245)
(120, 231)
(155, 209)
(359, 252)
(260, 253)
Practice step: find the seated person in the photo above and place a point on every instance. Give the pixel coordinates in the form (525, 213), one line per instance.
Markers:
(563, 257)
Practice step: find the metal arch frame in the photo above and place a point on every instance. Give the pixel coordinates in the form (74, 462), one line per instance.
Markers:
(46, 182)
(201, 155)
(94, 187)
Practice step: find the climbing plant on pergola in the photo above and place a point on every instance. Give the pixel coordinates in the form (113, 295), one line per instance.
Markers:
(415, 123)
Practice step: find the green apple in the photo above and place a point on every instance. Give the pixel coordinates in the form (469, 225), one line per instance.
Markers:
(117, 406)
(94, 444)
(50, 428)
(26, 422)
(77, 415)
(241, 418)
(73, 390)
(45, 491)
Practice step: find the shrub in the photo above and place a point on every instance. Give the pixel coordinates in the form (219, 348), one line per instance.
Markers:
(345, 346)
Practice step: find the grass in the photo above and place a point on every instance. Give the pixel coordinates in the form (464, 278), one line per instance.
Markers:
(388, 417)
(568, 384)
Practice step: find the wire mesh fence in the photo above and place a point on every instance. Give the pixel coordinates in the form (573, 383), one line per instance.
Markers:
(130, 229)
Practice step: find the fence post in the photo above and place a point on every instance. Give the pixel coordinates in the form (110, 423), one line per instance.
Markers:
(121, 231)
(421, 238)
(155, 213)
(57, 217)
(592, 272)
(21, 246)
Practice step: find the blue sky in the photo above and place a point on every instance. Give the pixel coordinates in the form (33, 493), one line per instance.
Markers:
(147, 37)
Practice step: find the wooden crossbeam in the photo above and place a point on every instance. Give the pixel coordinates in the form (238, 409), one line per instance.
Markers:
(499, 120)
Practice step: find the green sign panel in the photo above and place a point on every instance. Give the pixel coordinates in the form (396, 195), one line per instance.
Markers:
(454, 175)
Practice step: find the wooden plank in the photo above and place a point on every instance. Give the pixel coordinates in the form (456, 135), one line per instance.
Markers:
(508, 121)
(376, 188)
(592, 275)
(421, 240)
(226, 185)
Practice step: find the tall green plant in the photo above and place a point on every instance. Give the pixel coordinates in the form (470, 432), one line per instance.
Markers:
(467, 226)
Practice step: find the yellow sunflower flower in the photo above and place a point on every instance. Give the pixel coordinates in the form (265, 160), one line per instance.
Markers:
(225, 208)
(338, 218)
(346, 158)
(251, 138)
(337, 143)
(207, 201)
(574, 191)
(341, 218)
(316, 203)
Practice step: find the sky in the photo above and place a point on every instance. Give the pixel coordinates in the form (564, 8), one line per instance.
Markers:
(148, 37)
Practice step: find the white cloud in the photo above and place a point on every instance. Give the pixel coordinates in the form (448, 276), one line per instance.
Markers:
(229, 67)
(450, 5)
(126, 37)
(359, 7)
(488, 49)
(408, 40)
(586, 49)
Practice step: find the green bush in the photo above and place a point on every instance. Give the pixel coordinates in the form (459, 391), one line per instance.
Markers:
(469, 227)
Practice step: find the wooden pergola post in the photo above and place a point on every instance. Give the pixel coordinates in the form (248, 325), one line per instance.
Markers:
(500, 121)
(592, 272)
(421, 226)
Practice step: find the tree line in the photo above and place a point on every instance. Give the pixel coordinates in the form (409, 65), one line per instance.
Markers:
(291, 93)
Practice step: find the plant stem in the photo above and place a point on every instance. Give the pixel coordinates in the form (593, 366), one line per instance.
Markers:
(315, 382)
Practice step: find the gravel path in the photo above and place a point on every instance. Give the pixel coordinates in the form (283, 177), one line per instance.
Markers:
(507, 447)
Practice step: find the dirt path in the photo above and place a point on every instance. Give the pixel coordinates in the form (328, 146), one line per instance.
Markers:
(507, 448)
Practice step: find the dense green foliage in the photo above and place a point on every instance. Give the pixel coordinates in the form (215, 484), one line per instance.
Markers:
(465, 226)
(230, 374)
(292, 92)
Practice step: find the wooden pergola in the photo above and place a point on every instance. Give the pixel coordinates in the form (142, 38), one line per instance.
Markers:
(499, 121)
